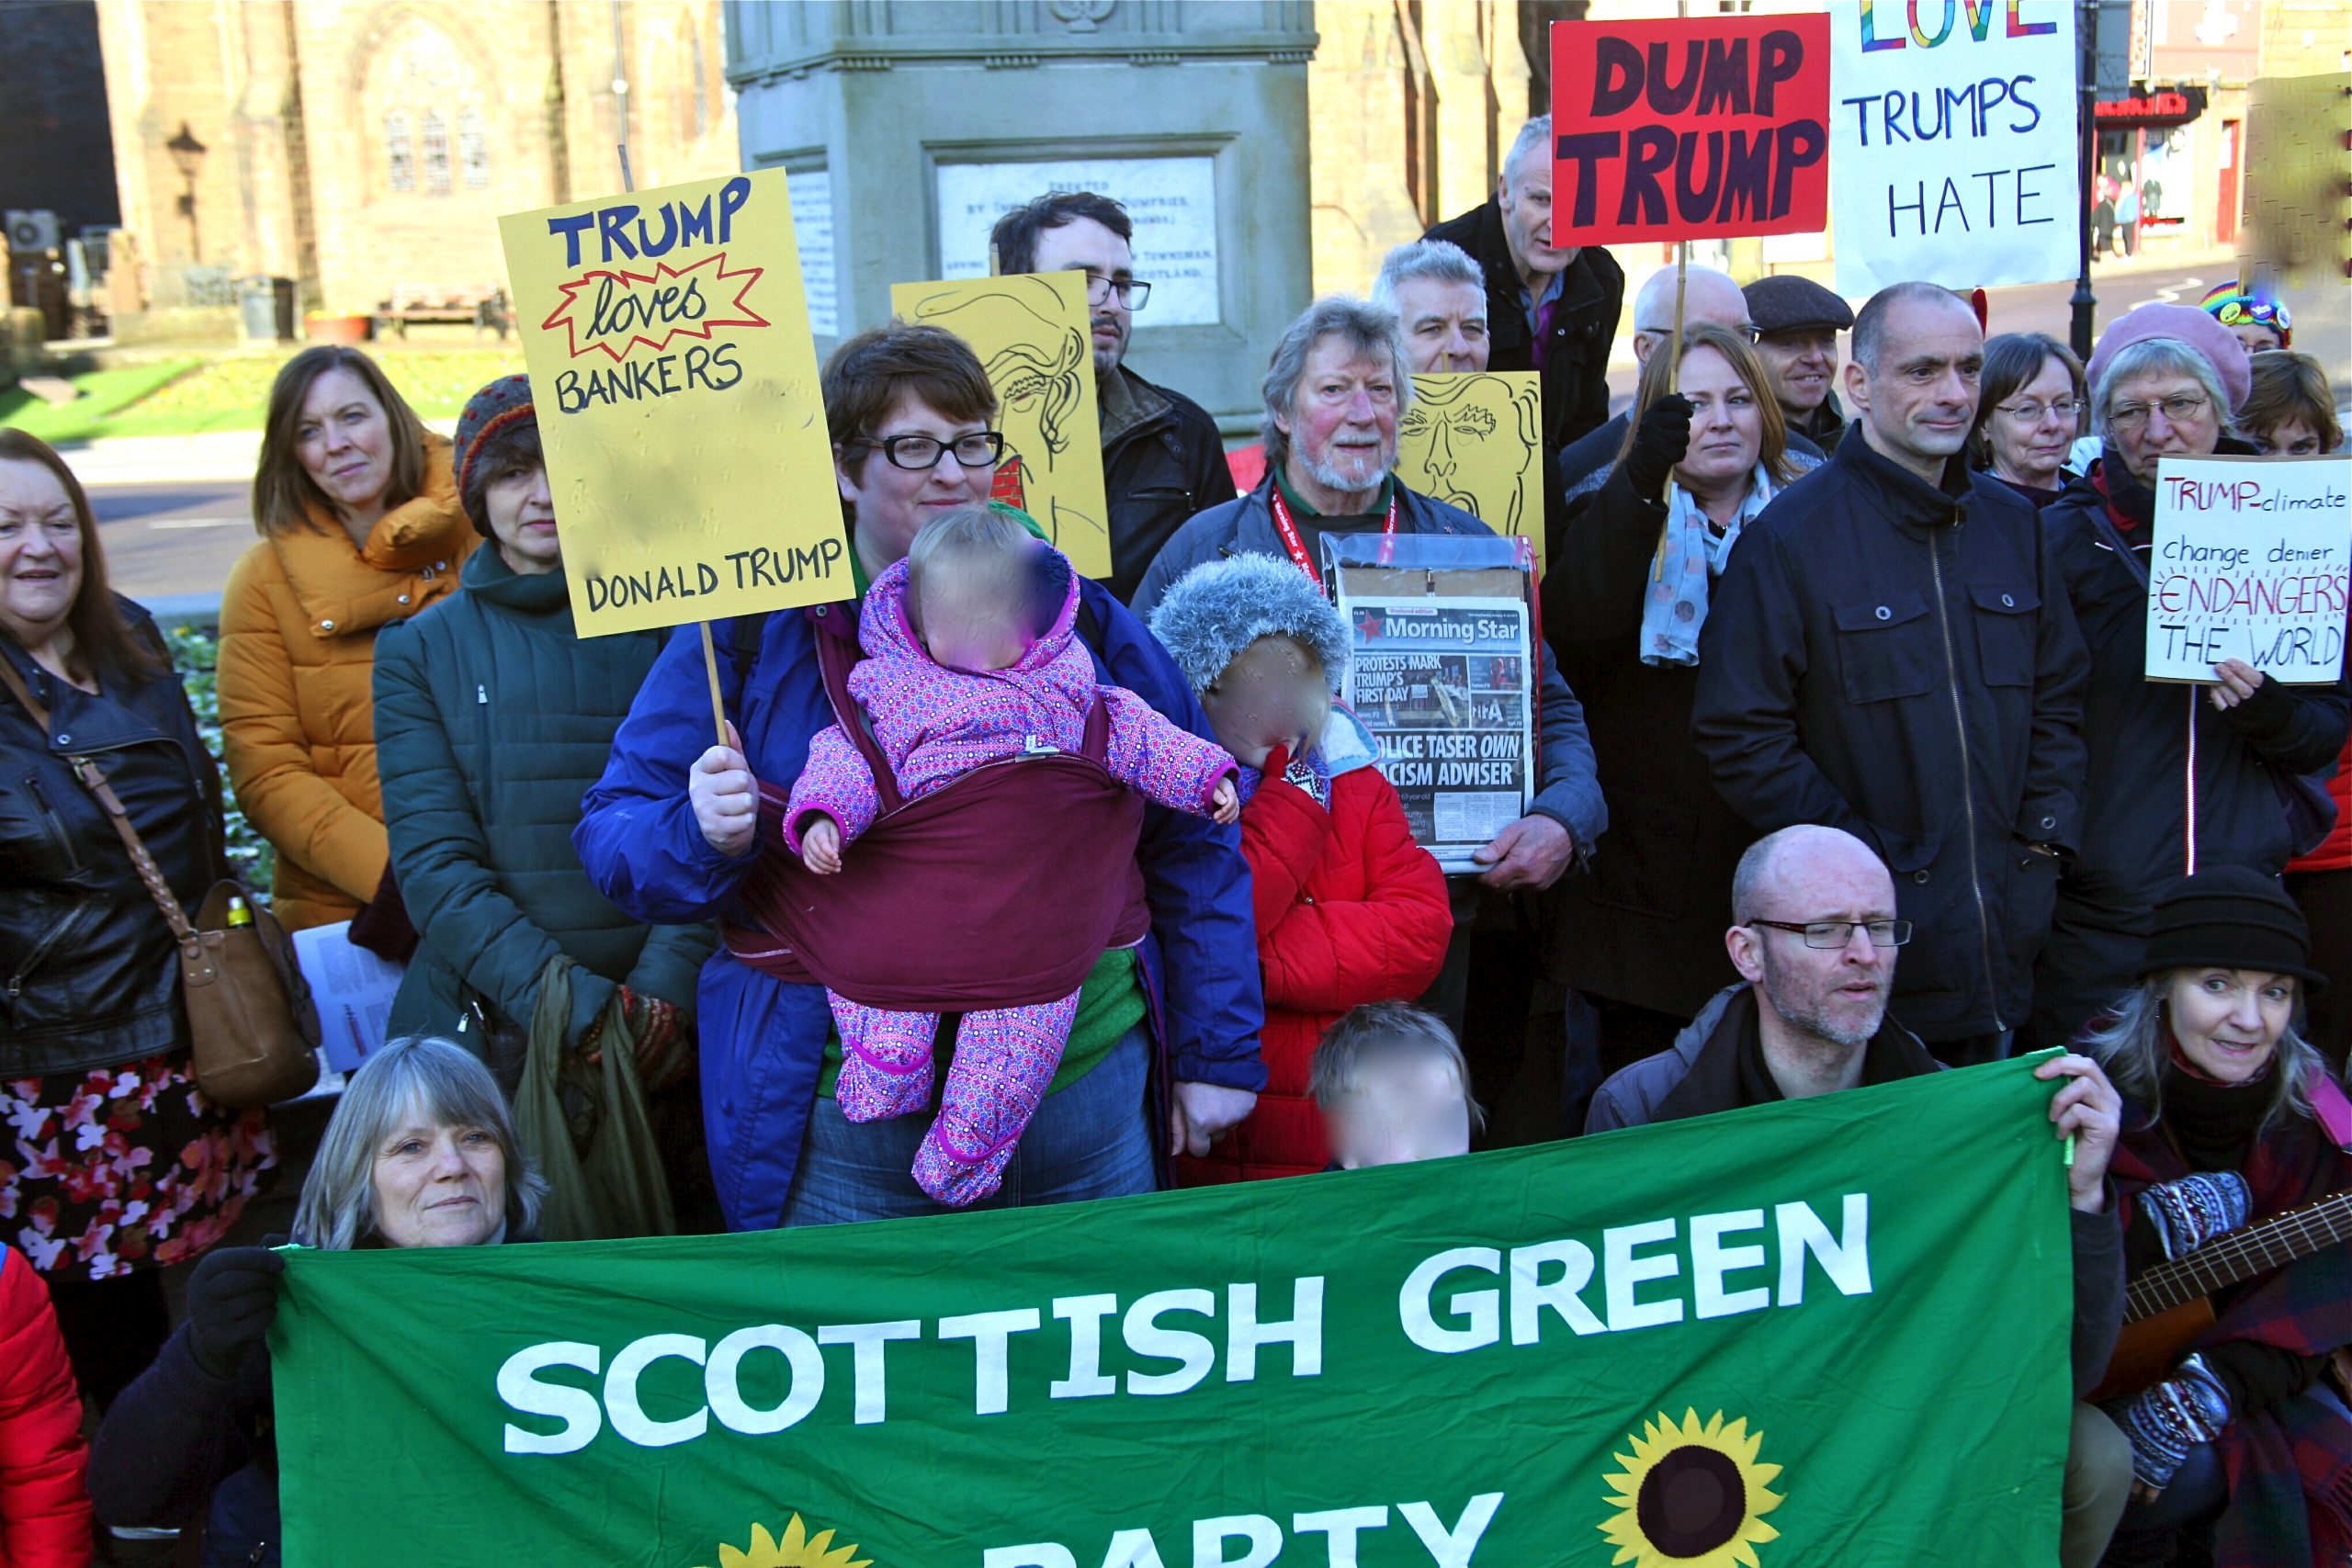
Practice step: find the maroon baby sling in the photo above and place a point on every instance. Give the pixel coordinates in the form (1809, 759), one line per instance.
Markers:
(1000, 888)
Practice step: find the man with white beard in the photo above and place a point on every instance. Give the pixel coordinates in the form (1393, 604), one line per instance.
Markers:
(1336, 387)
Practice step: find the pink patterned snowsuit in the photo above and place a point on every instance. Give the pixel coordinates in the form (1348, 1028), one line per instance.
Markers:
(934, 725)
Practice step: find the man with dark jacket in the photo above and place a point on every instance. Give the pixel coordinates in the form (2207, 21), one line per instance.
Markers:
(1816, 950)
(1162, 458)
(1549, 307)
(1313, 439)
(1890, 651)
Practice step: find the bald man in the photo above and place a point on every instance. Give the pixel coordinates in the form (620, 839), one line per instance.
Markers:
(1708, 295)
(1815, 942)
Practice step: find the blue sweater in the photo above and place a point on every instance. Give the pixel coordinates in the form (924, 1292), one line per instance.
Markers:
(763, 1039)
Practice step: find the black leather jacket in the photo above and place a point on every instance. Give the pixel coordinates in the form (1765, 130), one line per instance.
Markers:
(89, 975)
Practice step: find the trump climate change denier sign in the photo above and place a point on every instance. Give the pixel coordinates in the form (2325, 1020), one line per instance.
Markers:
(1711, 1341)
(675, 385)
(1952, 150)
(1690, 130)
(2249, 562)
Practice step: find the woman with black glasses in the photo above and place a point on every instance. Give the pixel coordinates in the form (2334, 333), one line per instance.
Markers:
(1163, 1050)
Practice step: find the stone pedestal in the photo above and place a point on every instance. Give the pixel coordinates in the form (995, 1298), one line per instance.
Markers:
(908, 129)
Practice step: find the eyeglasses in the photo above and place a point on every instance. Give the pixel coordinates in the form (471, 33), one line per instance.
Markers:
(1838, 934)
(1132, 291)
(2032, 413)
(981, 449)
(2178, 409)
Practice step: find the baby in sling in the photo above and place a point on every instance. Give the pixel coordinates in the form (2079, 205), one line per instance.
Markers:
(974, 677)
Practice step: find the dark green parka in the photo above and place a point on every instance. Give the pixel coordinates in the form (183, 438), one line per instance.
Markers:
(493, 718)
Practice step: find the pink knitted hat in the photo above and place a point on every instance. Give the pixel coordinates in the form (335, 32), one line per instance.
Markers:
(2187, 324)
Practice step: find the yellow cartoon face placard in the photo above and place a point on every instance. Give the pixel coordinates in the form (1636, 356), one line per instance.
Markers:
(1474, 439)
(1032, 335)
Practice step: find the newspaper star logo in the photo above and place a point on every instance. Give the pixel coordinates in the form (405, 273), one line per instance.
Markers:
(618, 311)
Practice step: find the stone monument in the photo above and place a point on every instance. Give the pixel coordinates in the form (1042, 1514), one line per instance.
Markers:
(907, 130)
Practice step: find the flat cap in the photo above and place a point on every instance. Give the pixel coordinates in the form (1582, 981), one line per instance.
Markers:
(1786, 302)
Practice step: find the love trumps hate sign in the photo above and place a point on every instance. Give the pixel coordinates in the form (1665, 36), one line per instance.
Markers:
(2249, 563)
(1690, 130)
(1714, 1341)
(1951, 145)
(676, 392)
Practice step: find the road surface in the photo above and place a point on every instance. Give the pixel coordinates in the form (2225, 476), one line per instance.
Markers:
(171, 546)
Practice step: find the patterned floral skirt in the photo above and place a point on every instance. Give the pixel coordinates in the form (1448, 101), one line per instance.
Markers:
(109, 1172)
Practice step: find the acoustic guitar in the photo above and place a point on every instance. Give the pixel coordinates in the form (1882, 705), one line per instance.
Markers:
(2168, 1308)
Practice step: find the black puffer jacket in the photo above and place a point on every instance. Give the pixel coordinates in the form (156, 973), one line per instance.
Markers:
(1163, 462)
(1583, 326)
(89, 975)
(1898, 659)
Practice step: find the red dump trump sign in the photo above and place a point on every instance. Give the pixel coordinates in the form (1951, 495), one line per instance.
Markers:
(1690, 130)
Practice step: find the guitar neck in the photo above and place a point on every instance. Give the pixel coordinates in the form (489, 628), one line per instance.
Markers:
(2239, 1255)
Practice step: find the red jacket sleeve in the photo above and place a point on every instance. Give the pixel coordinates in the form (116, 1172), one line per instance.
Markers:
(1329, 955)
(1282, 835)
(44, 1507)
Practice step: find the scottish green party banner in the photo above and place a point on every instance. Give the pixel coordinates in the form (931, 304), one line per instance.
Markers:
(1832, 1331)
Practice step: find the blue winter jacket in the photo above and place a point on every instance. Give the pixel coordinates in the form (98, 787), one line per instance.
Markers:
(763, 1039)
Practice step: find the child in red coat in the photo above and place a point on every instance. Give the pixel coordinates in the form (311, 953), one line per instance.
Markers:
(1350, 909)
(44, 1508)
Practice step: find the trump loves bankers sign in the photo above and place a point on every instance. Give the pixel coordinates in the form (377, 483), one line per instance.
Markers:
(1714, 1342)
(676, 386)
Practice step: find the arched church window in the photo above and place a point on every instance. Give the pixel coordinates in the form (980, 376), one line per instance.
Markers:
(400, 158)
(473, 149)
(437, 154)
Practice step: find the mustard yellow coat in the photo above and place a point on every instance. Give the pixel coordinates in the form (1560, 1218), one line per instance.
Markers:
(297, 656)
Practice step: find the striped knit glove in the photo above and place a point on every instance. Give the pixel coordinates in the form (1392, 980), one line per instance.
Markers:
(2164, 1423)
(2191, 1211)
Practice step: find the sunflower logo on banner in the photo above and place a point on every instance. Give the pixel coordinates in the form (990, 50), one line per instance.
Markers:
(795, 1549)
(1692, 1496)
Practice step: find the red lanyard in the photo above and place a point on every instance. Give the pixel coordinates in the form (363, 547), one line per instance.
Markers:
(1298, 545)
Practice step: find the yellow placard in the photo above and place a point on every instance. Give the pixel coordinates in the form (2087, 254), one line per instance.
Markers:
(1032, 334)
(1474, 439)
(675, 385)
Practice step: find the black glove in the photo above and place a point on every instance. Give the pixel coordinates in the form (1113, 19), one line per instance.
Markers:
(1663, 436)
(231, 1301)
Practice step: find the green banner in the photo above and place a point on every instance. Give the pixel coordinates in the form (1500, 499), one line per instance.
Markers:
(1831, 1331)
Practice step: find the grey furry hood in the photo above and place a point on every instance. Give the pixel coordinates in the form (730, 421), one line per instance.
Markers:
(1220, 607)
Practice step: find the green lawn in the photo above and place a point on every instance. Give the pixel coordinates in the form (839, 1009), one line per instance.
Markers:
(104, 394)
(185, 396)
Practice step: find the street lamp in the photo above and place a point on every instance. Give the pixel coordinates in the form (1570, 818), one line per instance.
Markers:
(187, 157)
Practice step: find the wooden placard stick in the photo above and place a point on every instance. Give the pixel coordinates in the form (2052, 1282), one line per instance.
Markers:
(1673, 384)
(709, 650)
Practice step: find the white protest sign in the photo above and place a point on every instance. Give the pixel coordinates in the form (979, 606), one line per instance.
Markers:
(1952, 150)
(2249, 563)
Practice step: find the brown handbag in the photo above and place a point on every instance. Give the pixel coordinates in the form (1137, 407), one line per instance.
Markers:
(253, 1034)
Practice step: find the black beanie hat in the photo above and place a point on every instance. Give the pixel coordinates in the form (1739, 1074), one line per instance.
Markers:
(2229, 917)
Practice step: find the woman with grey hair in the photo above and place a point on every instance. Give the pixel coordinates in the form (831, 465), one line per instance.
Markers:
(420, 1151)
(2180, 776)
(2231, 1119)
